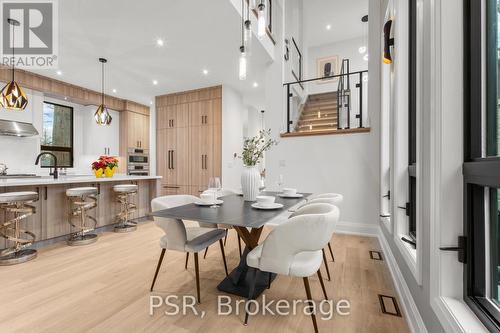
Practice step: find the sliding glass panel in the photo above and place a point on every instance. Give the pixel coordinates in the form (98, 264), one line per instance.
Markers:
(493, 79)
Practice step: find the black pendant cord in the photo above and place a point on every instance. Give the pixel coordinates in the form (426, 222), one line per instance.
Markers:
(102, 86)
(13, 48)
(243, 23)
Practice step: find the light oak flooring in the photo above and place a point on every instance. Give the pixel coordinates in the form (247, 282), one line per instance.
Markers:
(104, 287)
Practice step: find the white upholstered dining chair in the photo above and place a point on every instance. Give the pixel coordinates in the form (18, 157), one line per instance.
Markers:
(179, 238)
(335, 196)
(294, 248)
(334, 201)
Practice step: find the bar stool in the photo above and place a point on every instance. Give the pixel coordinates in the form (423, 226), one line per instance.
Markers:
(17, 203)
(123, 194)
(82, 199)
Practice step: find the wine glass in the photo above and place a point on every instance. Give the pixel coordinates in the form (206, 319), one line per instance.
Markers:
(280, 183)
(214, 187)
(217, 188)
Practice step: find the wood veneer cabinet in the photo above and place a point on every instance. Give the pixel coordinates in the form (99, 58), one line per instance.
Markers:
(189, 140)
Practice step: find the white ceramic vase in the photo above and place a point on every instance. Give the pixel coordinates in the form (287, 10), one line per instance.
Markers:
(250, 182)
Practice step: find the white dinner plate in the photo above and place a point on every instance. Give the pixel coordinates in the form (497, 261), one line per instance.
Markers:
(268, 207)
(291, 196)
(201, 203)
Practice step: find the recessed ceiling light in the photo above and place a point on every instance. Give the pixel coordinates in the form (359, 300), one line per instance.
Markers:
(365, 58)
(160, 42)
(150, 102)
(155, 82)
(59, 73)
(255, 84)
(328, 27)
(65, 98)
(114, 91)
(205, 71)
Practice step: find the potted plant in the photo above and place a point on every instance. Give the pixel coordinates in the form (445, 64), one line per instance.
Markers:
(253, 152)
(106, 165)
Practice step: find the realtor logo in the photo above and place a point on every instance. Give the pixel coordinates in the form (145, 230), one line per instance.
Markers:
(35, 39)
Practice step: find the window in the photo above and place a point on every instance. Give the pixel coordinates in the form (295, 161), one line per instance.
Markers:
(57, 135)
(482, 160)
(412, 123)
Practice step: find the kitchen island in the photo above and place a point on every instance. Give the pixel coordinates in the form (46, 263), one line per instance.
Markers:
(52, 208)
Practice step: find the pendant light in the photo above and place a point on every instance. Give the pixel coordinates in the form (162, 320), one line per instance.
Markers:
(243, 55)
(261, 19)
(12, 96)
(247, 37)
(363, 48)
(102, 116)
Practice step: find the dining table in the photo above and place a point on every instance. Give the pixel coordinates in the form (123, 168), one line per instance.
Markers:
(247, 221)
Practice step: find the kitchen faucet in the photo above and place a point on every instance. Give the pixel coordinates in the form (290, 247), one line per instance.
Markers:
(55, 173)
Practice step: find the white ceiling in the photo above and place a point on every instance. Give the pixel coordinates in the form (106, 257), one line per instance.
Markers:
(344, 16)
(198, 35)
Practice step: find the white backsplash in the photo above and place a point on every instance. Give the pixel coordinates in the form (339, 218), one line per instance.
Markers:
(19, 153)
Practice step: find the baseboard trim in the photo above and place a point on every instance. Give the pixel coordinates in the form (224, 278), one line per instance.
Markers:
(414, 320)
(410, 310)
(350, 228)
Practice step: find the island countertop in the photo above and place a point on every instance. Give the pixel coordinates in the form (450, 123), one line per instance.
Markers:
(70, 179)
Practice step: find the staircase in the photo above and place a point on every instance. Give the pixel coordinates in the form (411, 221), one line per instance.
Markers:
(319, 114)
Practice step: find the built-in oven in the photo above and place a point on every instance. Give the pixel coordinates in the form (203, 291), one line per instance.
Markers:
(138, 162)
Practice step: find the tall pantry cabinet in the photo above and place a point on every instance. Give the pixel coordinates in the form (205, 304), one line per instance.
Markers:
(189, 140)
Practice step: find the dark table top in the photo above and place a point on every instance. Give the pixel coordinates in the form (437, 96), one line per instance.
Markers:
(234, 211)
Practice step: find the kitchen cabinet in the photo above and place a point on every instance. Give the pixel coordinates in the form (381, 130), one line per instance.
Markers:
(52, 210)
(189, 146)
(134, 130)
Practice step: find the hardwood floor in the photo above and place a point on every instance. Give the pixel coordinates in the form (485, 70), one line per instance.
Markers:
(104, 287)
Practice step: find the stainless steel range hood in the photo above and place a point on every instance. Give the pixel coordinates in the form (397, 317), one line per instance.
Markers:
(17, 128)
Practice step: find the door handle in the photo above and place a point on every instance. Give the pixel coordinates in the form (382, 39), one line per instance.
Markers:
(202, 162)
(168, 159)
(206, 164)
(173, 163)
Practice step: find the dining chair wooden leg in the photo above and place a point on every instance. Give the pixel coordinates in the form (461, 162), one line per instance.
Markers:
(187, 259)
(197, 273)
(239, 243)
(326, 265)
(311, 305)
(225, 238)
(251, 291)
(205, 255)
(322, 284)
(223, 255)
(331, 252)
(157, 268)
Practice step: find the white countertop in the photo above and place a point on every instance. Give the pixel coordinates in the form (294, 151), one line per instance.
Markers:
(70, 179)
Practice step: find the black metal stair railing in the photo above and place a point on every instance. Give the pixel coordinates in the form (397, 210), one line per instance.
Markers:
(344, 97)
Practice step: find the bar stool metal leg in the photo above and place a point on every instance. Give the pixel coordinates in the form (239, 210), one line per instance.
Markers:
(127, 208)
(80, 205)
(11, 231)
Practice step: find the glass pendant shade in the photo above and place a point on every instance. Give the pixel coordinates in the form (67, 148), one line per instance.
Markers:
(243, 64)
(248, 37)
(261, 21)
(13, 97)
(102, 116)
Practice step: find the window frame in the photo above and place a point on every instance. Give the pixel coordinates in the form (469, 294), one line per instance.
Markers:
(479, 172)
(412, 120)
(70, 150)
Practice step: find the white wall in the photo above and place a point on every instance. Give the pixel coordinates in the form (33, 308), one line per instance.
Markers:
(233, 118)
(19, 153)
(347, 49)
(348, 164)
